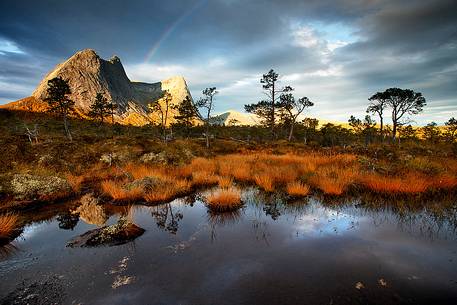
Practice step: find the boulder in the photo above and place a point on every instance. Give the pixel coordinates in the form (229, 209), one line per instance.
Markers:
(113, 235)
(31, 187)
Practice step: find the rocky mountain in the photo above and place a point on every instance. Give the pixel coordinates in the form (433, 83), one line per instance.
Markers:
(235, 118)
(88, 74)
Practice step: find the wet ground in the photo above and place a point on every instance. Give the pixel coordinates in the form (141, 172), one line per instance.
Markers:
(269, 252)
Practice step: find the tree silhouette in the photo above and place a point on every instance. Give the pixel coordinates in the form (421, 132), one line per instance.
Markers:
(59, 102)
(266, 109)
(378, 102)
(403, 102)
(310, 126)
(451, 130)
(431, 132)
(407, 132)
(207, 104)
(162, 107)
(365, 128)
(356, 124)
(101, 108)
(292, 108)
(187, 113)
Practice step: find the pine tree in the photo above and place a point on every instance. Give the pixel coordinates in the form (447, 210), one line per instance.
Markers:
(59, 102)
(266, 110)
(101, 108)
(187, 113)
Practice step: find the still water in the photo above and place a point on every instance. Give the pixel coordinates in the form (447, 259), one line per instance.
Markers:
(268, 252)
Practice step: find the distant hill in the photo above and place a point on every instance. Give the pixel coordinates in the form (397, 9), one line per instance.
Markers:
(235, 118)
(88, 74)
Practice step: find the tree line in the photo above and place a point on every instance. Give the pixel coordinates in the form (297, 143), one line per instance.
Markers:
(279, 114)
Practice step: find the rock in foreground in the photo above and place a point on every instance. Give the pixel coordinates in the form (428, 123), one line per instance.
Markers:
(114, 235)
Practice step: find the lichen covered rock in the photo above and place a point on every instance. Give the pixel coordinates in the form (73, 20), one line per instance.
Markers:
(118, 234)
(32, 187)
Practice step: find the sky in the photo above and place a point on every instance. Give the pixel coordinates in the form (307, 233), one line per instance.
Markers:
(337, 53)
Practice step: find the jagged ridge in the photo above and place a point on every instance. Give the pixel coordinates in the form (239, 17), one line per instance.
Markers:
(88, 74)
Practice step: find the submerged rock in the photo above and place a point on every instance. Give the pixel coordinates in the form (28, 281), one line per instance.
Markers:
(26, 186)
(114, 235)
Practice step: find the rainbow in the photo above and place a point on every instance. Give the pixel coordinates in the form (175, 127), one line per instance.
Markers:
(173, 27)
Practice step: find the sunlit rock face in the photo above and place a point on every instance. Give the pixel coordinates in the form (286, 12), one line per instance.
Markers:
(88, 74)
(235, 118)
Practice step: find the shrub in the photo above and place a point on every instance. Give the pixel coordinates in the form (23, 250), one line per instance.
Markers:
(224, 200)
(297, 189)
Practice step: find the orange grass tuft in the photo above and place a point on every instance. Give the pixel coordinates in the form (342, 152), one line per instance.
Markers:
(115, 190)
(242, 173)
(297, 189)
(333, 180)
(225, 182)
(265, 182)
(202, 178)
(409, 184)
(167, 191)
(444, 182)
(224, 200)
(204, 165)
(8, 223)
(75, 182)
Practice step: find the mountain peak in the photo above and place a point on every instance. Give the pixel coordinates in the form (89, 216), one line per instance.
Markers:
(88, 74)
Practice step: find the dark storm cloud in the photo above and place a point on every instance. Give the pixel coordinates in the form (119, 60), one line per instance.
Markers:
(387, 43)
(410, 45)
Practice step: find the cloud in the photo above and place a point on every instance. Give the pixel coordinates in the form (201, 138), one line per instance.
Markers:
(337, 53)
(7, 46)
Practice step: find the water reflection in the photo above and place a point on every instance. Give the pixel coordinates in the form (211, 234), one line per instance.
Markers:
(7, 250)
(91, 211)
(224, 219)
(67, 221)
(312, 251)
(165, 218)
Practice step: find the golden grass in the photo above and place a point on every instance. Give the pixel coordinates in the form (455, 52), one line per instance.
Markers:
(116, 190)
(75, 182)
(224, 200)
(445, 181)
(265, 182)
(203, 178)
(225, 182)
(333, 180)
(8, 223)
(204, 165)
(408, 184)
(242, 173)
(296, 174)
(297, 189)
(167, 191)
